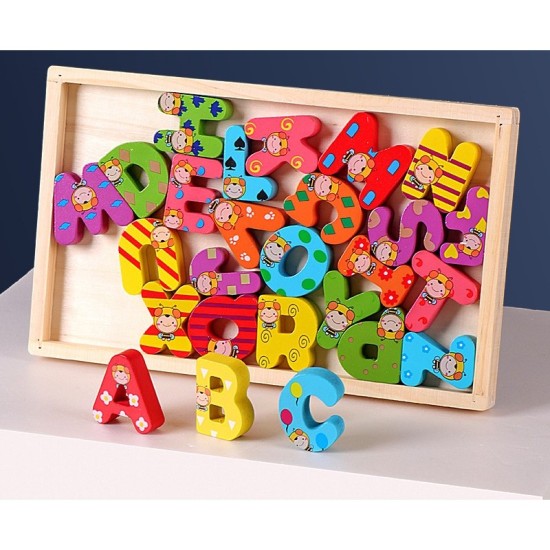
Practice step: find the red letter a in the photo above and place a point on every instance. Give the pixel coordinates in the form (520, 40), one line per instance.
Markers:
(127, 390)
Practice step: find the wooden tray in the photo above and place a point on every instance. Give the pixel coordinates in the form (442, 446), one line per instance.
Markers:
(80, 311)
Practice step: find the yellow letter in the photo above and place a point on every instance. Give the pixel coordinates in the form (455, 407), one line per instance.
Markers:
(275, 340)
(223, 408)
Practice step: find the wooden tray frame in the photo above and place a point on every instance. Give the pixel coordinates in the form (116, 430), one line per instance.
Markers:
(64, 83)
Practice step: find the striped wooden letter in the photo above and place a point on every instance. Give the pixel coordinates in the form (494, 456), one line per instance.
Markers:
(136, 268)
(169, 315)
(437, 167)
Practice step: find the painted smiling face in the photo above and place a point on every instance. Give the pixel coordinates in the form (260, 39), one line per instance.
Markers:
(173, 218)
(450, 366)
(338, 317)
(202, 397)
(181, 175)
(182, 140)
(326, 188)
(223, 347)
(391, 325)
(276, 144)
(112, 170)
(113, 173)
(362, 263)
(471, 244)
(170, 103)
(207, 283)
(167, 320)
(275, 248)
(269, 313)
(438, 286)
(83, 195)
(300, 440)
(234, 188)
(161, 237)
(121, 374)
(386, 252)
(427, 171)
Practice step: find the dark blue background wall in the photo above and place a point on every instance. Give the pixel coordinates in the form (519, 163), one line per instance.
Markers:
(519, 79)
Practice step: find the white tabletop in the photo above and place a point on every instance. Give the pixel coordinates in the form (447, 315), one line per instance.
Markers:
(54, 449)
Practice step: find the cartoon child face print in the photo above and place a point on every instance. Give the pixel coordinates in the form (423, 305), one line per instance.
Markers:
(83, 195)
(277, 144)
(447, 366)
(167, 320)
(357, 163)
(234, 188)
(426, 172)
(113, 172)
(471, 244)
(338, 317)
(83, 198)
(225, 213)
(362, 263)
(121, 375)
(161, 237)
(386, 252)
(274, 249)
(223, 347)
(207, 283)
(202, 397)
(360, 165)
(451, 365)
(269, 314)
(167, 324)
(182, 140)
(167, 102)
(173, 218)
(391, 323)
(300, 440)
(325, 188)
(438, 287)
(182, 174)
